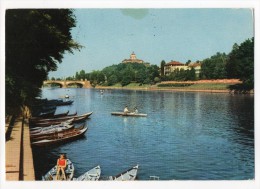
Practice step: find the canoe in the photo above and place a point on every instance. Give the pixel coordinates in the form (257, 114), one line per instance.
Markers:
(50, 116)
(128, 114)
(129, 174)
(64, 103)
(48, 122)
(37, 111)
(69, 172)
(40, 129)
(59, 119)
(62, 137)
(51, 132)
(92, 174)
(47, 114)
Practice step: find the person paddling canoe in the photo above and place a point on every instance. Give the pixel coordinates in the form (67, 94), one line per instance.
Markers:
(126, 110)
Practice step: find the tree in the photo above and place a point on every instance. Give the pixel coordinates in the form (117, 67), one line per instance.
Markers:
(214, 67)
(112, 80)
(162, 67)
(188, 62)
(35, 43)
(191, 75)
(240, 63)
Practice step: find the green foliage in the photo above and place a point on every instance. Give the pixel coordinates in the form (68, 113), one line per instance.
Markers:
(124, 74)
(157, 79)
(162, 67)
(240, 63)
(214, 67)
(36, 40)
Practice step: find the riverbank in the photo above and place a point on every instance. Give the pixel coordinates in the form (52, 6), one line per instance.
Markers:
(18, 152)
(207, 86)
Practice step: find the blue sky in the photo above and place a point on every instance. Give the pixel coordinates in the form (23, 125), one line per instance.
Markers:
(111, 35)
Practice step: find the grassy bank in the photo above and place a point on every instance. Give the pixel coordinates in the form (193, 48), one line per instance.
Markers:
(198, 86)
(206, 87)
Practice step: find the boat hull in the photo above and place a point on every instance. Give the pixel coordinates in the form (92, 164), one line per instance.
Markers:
(128, 114)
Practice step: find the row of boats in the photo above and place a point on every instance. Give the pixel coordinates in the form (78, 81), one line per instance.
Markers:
(93, 174)
(50, 131)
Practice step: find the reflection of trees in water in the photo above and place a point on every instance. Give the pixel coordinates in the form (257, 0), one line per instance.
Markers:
(242, 110)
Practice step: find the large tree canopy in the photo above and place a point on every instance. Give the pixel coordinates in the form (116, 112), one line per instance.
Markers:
(36, 40)
(240, 63)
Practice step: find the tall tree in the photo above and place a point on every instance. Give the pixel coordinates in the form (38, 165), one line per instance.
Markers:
(240, 63)
(162, 67)
(36, 40)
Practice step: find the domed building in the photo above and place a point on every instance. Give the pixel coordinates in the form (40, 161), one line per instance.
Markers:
(133, 59)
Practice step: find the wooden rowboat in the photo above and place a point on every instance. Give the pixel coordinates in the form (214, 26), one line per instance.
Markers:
(50, 116)
(128, 114)
(69, 172)
(59, 119)
(35, 130)
(92, 174)
(51, 132)
(62, 137)
(48, 122)
(129, 174)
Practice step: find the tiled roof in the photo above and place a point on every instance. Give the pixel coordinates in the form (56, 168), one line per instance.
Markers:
(175, 63)
(194, 65)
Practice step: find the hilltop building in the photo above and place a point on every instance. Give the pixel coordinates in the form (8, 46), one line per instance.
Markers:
(133, 59)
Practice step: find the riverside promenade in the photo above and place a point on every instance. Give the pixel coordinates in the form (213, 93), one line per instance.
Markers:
(18, 152)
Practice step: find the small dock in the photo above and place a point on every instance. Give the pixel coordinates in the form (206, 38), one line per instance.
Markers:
(18, 151)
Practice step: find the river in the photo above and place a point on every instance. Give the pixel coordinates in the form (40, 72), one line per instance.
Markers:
(186, 135)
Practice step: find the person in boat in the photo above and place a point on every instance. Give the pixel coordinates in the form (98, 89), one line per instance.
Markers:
(126, 110)
(61, 166)
(135, 110)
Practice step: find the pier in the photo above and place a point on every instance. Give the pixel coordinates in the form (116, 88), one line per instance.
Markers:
(18, 151)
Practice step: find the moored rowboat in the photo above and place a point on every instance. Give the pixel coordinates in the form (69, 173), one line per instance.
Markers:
(35, 130)
(62, 137)
(51, 116)
(128, 114)
(69, 172)
(92, 174)
(59, 119)
(48, 122)
(51, 132)
(129, 174)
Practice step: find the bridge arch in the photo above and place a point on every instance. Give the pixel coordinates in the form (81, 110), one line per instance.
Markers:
(69, 83)
(64, 84)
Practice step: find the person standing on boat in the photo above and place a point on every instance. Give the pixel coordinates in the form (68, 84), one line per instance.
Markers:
(61, 166)
(126, 110)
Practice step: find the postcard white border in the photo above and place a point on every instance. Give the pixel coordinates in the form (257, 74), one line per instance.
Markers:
(8, 4)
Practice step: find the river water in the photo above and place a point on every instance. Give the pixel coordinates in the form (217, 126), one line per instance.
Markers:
(186, 136)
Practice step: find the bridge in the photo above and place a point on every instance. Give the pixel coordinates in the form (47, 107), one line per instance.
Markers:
(66, 83)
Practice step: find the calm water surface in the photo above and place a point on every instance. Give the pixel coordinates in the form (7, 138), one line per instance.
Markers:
(186, 136)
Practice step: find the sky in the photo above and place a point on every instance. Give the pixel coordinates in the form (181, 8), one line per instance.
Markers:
(111, 35)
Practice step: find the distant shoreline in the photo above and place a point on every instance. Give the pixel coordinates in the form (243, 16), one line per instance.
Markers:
(206, 86)
(164, 89)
